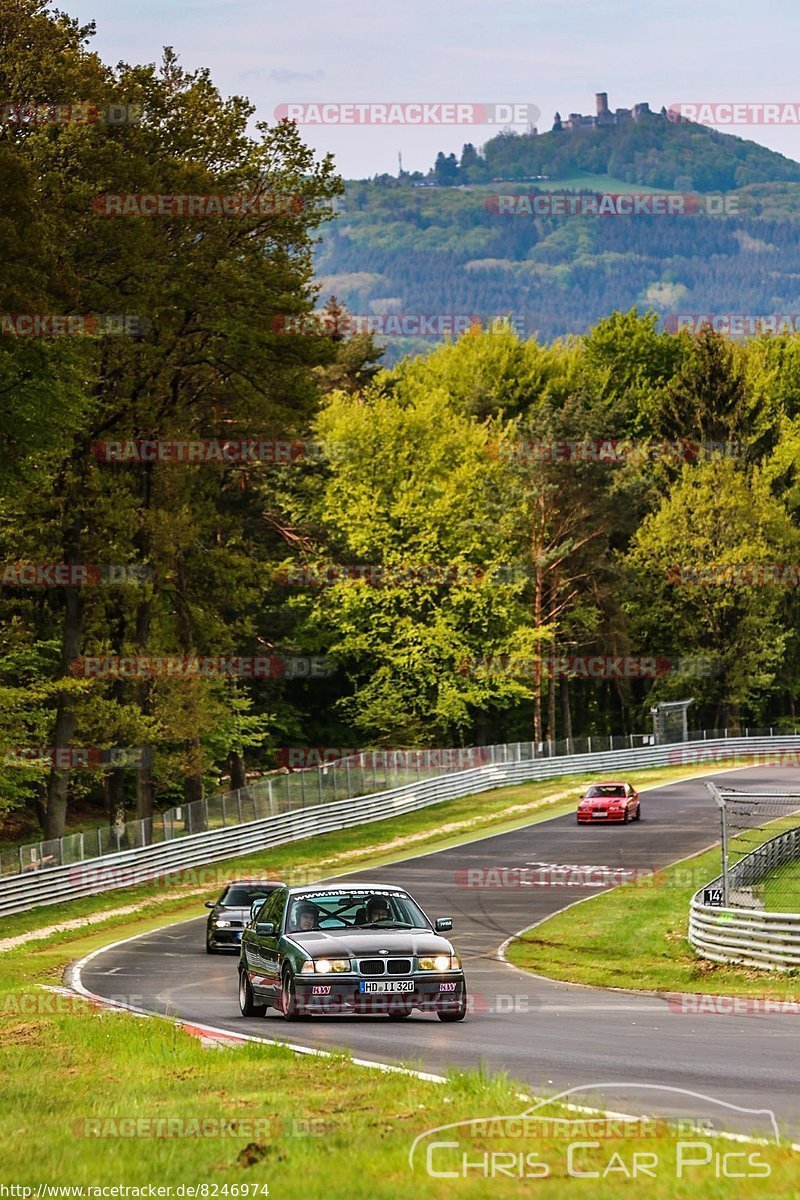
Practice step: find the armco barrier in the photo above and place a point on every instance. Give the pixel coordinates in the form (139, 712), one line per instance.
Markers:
(55, 885)
(750, 936)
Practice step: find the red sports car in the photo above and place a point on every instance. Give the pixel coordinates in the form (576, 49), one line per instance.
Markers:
(609, 802)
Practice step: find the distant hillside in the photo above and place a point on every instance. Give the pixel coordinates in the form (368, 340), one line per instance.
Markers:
(409, 246)
(401, 249)
(652, 151)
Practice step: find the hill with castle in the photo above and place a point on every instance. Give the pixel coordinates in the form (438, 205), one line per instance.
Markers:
(638, 145)
(435, 242)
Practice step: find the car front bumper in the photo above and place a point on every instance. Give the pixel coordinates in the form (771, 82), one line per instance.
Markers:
(224, 939)
(589, 818)
(344, 996)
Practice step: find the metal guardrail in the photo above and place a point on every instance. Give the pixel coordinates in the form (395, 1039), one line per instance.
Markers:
(743, 934)
(363, 773)
(57, 884)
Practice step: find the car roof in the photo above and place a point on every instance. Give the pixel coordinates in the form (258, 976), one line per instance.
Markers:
(268, 882)
(609, 783)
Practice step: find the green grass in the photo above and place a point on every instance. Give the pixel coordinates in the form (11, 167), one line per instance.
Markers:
(74, 1075)
(781, 889)
(319, 1126)
(635, 936)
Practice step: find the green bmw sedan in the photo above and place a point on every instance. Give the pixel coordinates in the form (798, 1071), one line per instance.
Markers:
(363, 949)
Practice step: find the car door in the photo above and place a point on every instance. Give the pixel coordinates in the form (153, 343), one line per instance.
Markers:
(263, 956)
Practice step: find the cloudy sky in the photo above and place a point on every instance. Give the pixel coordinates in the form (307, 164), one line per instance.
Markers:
(553, 56)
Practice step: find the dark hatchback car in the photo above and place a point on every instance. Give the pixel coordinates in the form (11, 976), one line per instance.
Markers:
(320, 950)
(231, 912)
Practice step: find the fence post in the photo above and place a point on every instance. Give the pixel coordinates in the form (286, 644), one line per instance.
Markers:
(269, 795)
(21, 863)
(99, 843)
(239, 803)
(349, 784)
(590, 743)
(223, 809)
(724, 840)
(82, 854)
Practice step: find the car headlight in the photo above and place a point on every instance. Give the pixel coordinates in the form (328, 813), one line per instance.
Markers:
(440, 962)
(325, 966)
(221, 923)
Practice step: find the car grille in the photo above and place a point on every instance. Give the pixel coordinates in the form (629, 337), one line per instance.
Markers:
(382, 966)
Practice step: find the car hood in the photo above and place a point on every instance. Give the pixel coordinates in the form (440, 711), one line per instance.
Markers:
(231, 914)
(604, 801)
(357, 944)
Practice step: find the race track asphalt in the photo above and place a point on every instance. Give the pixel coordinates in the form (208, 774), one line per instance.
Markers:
(549, 1036)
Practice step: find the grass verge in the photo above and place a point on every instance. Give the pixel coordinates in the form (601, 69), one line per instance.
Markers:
(635, 936)
(100, 1098)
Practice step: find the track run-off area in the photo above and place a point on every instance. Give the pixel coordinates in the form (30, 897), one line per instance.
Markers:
(637, 1053)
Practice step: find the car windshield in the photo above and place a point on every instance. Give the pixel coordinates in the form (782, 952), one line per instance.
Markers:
(354, 909)
(605, 789)
(242, 897)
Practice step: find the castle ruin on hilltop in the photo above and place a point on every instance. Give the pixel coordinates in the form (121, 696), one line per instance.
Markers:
(604, 116)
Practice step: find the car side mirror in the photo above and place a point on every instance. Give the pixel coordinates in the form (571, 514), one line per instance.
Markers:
(265, 928)
(443, 924)
(209, 904)
(255, 908)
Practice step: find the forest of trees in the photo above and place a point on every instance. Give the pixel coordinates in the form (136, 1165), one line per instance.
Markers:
(421, 466)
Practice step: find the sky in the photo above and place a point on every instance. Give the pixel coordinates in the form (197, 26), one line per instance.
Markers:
(551, 56)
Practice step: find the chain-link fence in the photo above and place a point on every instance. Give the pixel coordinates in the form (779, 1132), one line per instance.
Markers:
(360, 774)
(760, 836)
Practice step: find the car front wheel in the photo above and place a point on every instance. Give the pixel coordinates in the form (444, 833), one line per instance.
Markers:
(289, 1003)
(247, 1001)
(453, 1010)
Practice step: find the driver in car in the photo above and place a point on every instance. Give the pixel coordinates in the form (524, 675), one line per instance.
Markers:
(305, 918)
(377, 909)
